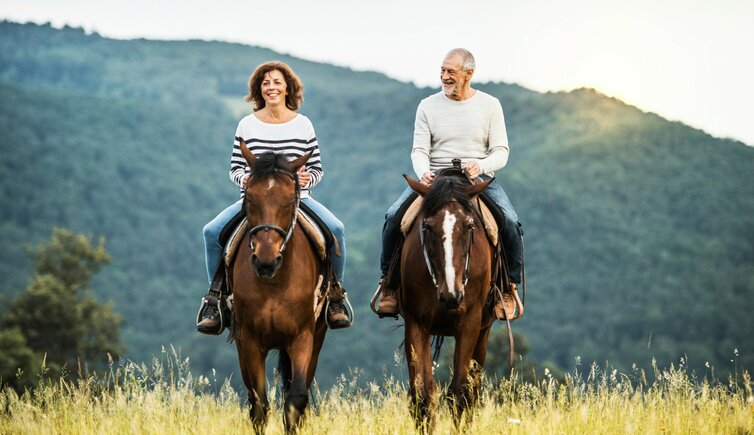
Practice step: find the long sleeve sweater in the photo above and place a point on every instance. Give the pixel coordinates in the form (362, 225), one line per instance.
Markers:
(293, 139)
(472, 129)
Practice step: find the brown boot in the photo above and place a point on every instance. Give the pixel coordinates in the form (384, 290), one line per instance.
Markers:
(337, 317)
(337, 312)
(388, 305)
(210, 323)
(509, 305)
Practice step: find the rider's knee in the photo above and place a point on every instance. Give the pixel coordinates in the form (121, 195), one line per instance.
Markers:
(210, 232)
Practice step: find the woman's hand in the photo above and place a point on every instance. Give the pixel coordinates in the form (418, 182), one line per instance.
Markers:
(303, 177)
(427, 178)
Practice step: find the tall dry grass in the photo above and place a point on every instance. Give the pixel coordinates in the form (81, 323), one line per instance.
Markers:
(163, 397)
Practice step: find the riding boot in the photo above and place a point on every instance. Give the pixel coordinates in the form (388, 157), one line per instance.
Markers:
(337, 313)
(213, 315)
(508, 305)
(388, 305)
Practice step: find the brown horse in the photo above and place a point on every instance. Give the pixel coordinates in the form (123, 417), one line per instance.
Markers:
(445, 281)
(273, 280)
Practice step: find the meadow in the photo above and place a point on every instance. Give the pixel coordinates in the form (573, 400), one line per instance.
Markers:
(164, 397)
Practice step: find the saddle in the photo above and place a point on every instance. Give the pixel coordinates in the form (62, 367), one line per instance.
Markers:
(415, 204)
(317, 233)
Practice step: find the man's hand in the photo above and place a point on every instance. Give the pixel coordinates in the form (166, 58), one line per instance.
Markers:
(303, 177)
(472, 169)
(427, 178)
(244, 180)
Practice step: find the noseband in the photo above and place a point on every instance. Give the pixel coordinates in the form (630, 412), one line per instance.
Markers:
(429, 263)
(283, 233)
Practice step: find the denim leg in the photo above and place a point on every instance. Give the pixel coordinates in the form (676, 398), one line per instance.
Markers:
(338, 230)
(512, 233)
(391, 231)
(213, 251)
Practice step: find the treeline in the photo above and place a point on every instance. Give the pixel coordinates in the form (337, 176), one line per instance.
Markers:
(638, 230)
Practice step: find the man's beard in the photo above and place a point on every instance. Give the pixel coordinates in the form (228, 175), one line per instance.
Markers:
(451, 91)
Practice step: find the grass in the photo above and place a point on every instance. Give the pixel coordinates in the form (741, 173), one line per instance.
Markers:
(165, 398)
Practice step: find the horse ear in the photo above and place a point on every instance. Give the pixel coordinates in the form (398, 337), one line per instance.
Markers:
(417, 187)
(294, 165)
(248, 155)
(476, 189)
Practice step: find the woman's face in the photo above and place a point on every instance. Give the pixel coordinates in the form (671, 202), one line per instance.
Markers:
(274, 88)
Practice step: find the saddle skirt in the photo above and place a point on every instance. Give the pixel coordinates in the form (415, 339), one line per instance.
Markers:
(490, 226)
(306, 222)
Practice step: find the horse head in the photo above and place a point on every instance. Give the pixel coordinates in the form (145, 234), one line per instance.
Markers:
(271, 202)
(447, 233)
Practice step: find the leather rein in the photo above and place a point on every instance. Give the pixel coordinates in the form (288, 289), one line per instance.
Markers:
(286, 234)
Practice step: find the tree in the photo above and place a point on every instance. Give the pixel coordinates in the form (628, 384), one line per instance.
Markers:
(55, 317)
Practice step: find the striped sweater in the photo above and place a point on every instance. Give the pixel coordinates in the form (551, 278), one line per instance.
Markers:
(293, 139)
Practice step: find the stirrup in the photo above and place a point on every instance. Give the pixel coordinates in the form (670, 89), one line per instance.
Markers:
(373, 303)
(349, 312)
(212, 301)
(518, 309)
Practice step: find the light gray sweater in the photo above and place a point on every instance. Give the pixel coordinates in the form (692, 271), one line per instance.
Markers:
(472, 129)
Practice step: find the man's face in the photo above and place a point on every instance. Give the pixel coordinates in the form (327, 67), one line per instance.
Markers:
(452, 75)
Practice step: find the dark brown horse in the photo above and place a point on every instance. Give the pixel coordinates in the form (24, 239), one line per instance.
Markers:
(445, 281)
(273, 280)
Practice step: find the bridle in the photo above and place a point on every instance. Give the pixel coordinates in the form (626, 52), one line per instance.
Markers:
(467, 266)
(286, 234)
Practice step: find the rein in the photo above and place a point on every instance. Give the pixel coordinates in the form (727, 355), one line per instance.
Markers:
(429, 263)
(285, 234)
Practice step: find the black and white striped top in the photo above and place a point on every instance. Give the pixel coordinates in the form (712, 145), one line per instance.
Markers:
(293, 139)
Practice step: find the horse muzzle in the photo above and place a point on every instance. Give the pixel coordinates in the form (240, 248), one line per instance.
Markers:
(266, 269)
(450, 301)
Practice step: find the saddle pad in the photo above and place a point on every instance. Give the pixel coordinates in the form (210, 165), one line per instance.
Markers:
(311, 230)
(490, 226)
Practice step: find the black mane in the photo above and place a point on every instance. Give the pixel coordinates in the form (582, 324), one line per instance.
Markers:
(446, 189)
(269, 165)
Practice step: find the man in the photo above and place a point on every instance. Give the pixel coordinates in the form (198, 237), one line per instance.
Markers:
(459, 122)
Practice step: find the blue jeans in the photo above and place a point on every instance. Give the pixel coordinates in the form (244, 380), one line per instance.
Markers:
(512, 233)
(214, 251)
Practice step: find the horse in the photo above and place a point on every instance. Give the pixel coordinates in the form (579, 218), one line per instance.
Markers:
(273, 281)
(445, 273)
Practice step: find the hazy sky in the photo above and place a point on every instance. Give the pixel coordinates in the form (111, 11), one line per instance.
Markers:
(690, 60)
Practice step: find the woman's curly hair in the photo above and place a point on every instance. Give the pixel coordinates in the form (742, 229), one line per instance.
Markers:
(294, 88)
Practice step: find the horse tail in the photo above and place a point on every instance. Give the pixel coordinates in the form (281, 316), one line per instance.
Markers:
(284, 370)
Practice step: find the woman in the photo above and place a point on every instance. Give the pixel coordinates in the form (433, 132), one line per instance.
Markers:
(275, 125)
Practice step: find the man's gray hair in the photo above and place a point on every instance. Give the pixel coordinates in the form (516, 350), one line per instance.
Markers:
(467, 59)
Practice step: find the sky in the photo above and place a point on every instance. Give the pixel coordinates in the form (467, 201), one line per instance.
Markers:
(690, 61)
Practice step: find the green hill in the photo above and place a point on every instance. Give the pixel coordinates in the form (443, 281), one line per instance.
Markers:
(638, 230)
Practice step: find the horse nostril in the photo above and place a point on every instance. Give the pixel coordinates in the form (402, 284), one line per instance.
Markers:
(279, 258)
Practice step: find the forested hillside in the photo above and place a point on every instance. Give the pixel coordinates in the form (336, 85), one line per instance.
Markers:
(638, 230)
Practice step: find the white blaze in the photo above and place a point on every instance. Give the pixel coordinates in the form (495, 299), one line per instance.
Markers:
(448, 225)
(271, 184)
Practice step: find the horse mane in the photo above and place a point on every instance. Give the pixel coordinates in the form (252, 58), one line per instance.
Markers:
(269, 165)
(446, 189)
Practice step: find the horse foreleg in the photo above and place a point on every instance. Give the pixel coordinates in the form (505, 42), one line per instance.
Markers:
(319, 340)
(460, 392)
(421, 381)
(477, 363)
(251, 358)
(300, 352)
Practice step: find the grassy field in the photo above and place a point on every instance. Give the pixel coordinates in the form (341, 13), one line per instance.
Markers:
(164, 398)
